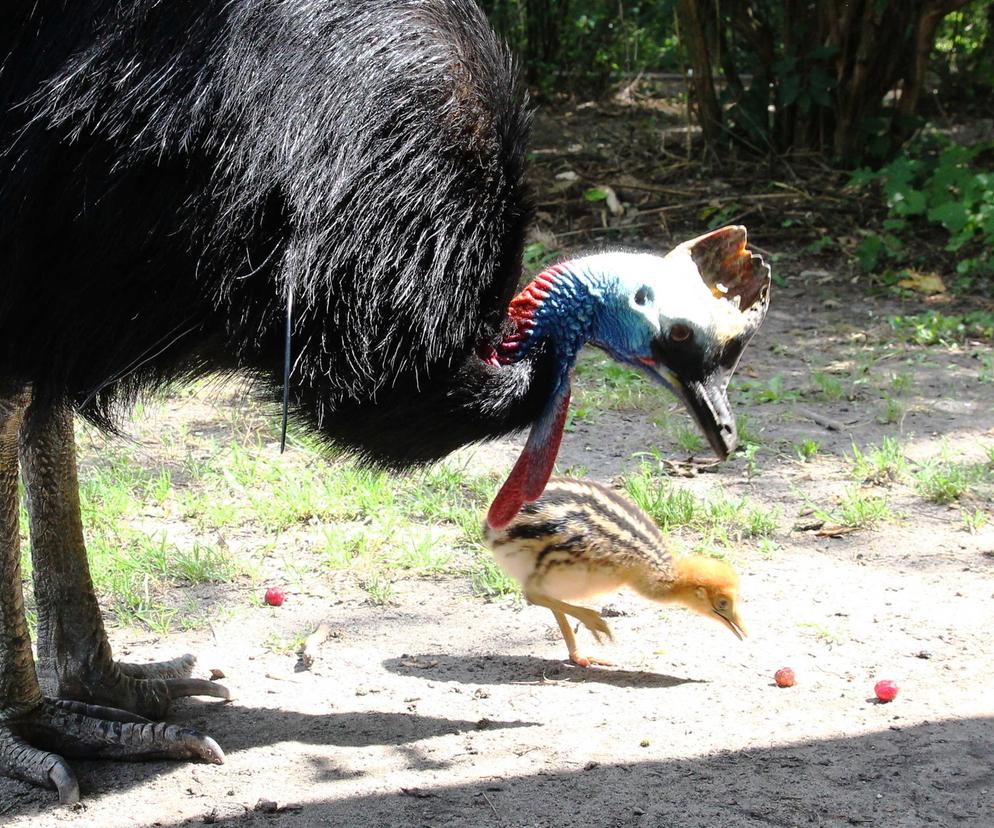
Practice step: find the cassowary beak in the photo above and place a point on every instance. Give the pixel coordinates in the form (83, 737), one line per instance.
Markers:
(707, 400)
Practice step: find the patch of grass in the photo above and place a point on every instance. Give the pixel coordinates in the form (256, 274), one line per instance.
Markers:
(379, 589)
(718, 519)
(767, 548)
(858, 510)
(893, 412)
(689, 438)
(974, 520)
(986, 373)
(603, 384)
(772, 391)
(944, 481)
(901, 383)
(133, 572)
(880, 464)
(935, 328)
(806, 450)
(829, 387)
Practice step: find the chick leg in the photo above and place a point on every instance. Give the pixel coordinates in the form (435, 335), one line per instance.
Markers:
(74, 656)
(590, 619)
(574, 651)
(35, 730)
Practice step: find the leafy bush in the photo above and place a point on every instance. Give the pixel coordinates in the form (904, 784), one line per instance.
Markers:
(951, 187)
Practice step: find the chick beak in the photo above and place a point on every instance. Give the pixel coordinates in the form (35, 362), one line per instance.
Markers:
(733, 622)
(707, 400)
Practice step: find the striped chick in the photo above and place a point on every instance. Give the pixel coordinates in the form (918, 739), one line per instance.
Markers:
(582, 539)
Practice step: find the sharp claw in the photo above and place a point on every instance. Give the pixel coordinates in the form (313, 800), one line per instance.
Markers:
(64, 781)
(212, 751)
(180, 687)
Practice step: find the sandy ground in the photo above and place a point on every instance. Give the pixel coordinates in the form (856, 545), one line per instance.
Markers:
(444, 709)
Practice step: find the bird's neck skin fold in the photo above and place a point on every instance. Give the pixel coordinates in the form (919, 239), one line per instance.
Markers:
(559, 305)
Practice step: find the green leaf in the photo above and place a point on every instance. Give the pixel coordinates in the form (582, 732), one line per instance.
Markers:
(952, 215)
(790, 88)
(595, 194)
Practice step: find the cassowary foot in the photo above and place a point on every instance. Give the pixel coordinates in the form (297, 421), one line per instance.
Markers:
(32, 744)
(144, 689)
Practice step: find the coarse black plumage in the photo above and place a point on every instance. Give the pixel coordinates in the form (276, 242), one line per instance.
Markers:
(168, 171)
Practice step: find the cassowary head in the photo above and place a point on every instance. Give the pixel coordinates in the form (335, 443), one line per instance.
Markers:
(683, 319)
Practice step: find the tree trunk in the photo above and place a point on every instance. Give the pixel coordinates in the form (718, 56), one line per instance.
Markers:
(695, 40)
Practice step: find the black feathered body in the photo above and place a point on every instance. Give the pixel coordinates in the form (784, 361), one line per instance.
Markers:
(169, 171)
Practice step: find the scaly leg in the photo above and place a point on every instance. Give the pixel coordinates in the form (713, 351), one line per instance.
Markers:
(574, 652)
(589, 618)
(74, 656)
(33, 728)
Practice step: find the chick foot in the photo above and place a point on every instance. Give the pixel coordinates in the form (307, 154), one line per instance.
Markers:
(586, 661)
(32, 744)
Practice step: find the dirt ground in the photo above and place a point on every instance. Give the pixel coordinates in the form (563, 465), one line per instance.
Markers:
(443, 709)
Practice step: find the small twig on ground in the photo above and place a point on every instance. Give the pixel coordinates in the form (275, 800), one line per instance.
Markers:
(491, 804)
(814, 416)
(275, 677)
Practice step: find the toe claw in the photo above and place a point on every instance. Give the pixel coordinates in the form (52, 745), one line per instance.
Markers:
(64, 781)
(180, 687)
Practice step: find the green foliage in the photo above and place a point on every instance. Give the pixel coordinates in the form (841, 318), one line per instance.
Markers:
(883, 464)
(717, 519)
(936, 328)
(580, 46)
(806, 450)
(945, 185)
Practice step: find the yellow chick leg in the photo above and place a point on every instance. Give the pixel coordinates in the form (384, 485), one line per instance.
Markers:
(590, 619)
(574, 652)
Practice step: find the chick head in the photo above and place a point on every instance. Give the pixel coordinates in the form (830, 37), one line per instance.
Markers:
(710, 587)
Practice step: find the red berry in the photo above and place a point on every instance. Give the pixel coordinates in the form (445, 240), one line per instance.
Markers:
(784, 677)
(274, 596)
(886, 690)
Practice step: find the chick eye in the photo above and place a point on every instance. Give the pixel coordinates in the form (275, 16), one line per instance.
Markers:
(722, 604)
(680, 332)
(643, 295)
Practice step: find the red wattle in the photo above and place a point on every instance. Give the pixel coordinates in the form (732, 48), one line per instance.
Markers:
(532, 471)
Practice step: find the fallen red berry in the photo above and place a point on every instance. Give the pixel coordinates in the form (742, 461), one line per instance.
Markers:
(274, 596)
(784, 677)
(886, 690)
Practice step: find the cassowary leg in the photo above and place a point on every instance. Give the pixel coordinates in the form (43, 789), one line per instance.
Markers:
(74, 656)
(33, 729)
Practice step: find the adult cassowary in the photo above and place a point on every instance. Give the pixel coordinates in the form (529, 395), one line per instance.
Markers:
(170, 173)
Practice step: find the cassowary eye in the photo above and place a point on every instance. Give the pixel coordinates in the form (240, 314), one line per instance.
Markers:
(680, 332)
(644, 294)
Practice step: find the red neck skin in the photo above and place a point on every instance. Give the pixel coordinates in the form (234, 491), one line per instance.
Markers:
(534, 466)
(522, 312)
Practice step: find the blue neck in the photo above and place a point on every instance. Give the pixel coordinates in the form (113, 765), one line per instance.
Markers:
(568, 317)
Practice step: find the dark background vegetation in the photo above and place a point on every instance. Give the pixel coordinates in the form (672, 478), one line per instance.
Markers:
(879, 114)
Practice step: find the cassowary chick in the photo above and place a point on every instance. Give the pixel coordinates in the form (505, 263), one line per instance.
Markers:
(582, 539)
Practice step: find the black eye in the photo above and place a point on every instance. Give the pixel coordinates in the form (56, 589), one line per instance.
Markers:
(644, 294)
(722, 604)
(680, 332)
